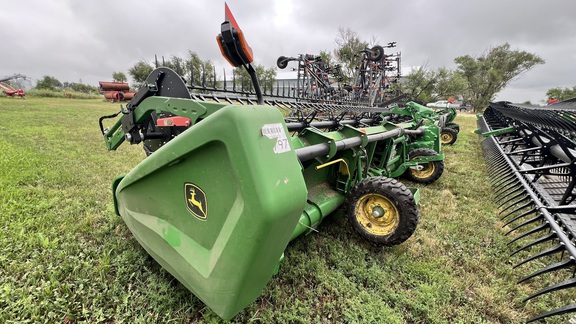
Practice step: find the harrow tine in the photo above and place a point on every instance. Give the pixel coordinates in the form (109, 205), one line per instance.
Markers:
(558, 311)
(515, 203)
(530, 202)
(534, 230)
(531, 220)
(567, 263)
(543, 239)
(550, 251)
(570, 283)
(501, 194)
(508, 180)
(524, 214)
(514, 197)
(521, 191)
(501, 175)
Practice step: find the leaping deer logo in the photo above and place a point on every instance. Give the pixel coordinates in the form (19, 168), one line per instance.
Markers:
(196, 200)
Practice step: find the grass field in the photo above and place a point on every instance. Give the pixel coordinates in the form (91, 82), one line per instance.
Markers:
(66, 257)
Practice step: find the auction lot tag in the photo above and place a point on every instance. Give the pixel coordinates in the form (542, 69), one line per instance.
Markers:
(276, 131)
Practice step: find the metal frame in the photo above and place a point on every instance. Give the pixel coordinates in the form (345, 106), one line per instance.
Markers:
(531, 157)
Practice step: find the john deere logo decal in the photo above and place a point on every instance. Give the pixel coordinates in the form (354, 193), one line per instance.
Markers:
(196, 200)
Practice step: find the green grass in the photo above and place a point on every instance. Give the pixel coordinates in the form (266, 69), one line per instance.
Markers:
(66, 257)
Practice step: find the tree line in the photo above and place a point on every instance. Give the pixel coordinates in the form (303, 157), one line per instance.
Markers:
(201, 72)
(475, 80)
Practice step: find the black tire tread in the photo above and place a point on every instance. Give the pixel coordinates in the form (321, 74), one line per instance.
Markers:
(282, 62)
(402, 198)
(379, 53)
(454, 135)
(454, 126)
(438, 171)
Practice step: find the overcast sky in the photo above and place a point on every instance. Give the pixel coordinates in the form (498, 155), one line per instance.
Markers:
(88, 40)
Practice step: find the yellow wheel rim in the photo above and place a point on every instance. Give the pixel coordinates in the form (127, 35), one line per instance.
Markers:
(426, 172)
(377, 214)
(446, 138)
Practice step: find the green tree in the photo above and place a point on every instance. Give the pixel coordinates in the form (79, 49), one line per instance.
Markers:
(423, 85)
(347, 51)
(194, 68)
(49, 83)
(561, 93)
(418, 85)
(177, 64)
(140, 72)
(266, 78)
(327, 57)
(79, 87)
(489, 73)
(119, 77)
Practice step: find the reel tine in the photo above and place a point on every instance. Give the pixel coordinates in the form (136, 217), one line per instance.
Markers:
(531, 220)
(505, 191)
(524, 214)
(550, 251)
(567, 263)
(530, 202)
(558, 311)
(534, 230)
(570, 283)
(543, 239)
(521, 190)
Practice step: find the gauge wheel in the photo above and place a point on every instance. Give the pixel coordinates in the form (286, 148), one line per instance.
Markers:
(454, 126)
(376, 53)
(430, 171)
(282, 62)
(448, 136)
(382, 210)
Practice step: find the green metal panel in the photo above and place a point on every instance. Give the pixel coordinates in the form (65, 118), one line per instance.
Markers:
(500, 131)
(217, 205)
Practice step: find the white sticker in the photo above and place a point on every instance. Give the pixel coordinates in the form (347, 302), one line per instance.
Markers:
(276, 131)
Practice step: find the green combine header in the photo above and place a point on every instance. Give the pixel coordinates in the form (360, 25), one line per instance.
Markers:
(228, 182)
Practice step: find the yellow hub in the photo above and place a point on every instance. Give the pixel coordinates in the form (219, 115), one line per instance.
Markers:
(377, 214)
(426, 172)
(446, 138)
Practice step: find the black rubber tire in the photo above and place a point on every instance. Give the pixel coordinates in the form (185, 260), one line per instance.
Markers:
(448, 136)
(282, 62)
(376, 53)
(454, 126)
(431, 172)
(403, 211)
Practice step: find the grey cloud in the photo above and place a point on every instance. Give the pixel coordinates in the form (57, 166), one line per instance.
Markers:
(91, 39)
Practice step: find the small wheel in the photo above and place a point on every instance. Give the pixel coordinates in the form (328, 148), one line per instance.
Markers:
(282, 62)
(382, 210)
(454, 126)
(448, 136)
(431, 171)
(376, 53)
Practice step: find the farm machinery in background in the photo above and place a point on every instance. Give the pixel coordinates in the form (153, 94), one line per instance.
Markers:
(530, 152)
(229, 180)
(320, 84)
(116, 91)
(8, 89)
(315, 79)
(375, 73)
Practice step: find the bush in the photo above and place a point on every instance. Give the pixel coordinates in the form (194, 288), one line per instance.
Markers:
(62, 94)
